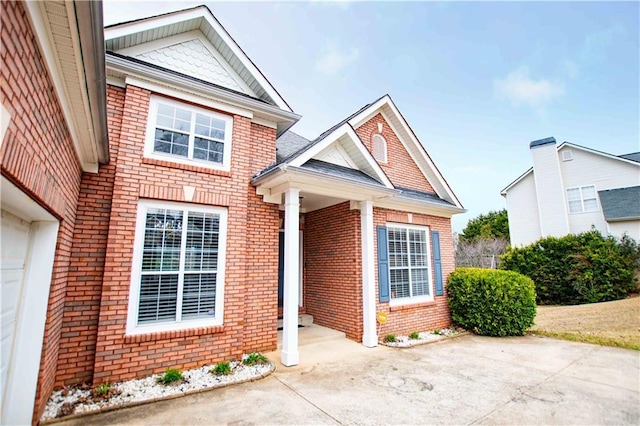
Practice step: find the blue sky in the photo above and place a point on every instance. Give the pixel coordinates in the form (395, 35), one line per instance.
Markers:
(477, 81)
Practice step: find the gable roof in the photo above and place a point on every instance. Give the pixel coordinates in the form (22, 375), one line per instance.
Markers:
(633, 158)
(399, 125)
(123, 37)
(621, 203)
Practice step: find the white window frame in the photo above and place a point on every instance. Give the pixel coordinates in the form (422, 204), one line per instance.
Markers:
(582, 199)
(385, 158)
(412, 299)
(189, 160)
(136, 270)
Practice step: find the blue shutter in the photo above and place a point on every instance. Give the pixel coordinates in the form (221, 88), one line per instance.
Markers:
(437, 262)
(383, 264)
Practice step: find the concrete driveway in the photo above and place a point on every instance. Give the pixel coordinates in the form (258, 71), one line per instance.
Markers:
(467, 380)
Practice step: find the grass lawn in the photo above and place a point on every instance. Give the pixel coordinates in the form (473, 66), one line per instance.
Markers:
(614, 323)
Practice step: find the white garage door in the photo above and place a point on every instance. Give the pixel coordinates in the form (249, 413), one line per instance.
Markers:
(14, 238)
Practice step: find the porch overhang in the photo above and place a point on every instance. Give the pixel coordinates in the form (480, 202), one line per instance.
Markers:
(272, 184)
(434, 208)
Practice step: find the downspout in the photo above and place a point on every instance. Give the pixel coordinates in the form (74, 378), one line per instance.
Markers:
(89, 19)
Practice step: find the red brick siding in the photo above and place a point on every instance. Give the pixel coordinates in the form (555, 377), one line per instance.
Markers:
(82, 304)
(119, 358)
(261, 298)
(333, 274)
(425, 316)
(400, 167)
(37, 155)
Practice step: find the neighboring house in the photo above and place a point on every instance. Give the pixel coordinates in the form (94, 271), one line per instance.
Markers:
(180, 239)
(571, 189)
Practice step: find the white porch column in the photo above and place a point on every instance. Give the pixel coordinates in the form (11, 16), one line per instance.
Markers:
(289, 354)
(369, 336)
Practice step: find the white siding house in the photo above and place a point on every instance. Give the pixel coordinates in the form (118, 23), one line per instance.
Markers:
(572, 189)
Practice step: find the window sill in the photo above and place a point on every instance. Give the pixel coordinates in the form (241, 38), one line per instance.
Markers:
(395, 307)
(165, 335)
(189, 167)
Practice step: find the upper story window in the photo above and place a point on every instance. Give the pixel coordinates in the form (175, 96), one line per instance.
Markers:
(185, 134)
(582, 199)
(379, 147)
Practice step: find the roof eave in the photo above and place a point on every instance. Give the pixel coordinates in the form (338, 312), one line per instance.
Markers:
(90, 21)
(623, 219)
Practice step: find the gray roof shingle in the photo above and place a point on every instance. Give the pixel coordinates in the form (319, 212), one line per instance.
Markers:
(288, 143)
(340, 171)
(414, 194)
(634, 156)
(620, 203)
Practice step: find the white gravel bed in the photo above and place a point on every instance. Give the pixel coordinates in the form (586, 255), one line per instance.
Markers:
(139, 390)
(423, 337)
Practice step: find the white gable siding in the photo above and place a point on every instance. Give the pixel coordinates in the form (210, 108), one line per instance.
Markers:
(522, 206)
(336, 154)
(194, 59)
(587, 168)
(192, 54)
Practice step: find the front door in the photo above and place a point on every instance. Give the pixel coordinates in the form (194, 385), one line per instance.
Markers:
(281, 271)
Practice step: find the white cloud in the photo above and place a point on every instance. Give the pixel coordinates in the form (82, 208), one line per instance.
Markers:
(520, 89)
(333, 61)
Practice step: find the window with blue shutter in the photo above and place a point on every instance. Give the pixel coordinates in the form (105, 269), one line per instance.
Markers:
(383, 264)
(437, 262)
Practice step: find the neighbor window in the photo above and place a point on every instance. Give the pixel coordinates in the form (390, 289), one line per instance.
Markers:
(178, 267)
(582, 199)
(186, 134)
(409, 268)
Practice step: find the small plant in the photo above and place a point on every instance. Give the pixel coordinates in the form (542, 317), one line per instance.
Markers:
(222, 369)
(389, 338)
(415, 335)
(436, 331)
(255, 358)
(170, 376)
(102, 390)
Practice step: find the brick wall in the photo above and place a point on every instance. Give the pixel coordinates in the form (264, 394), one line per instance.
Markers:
(261, 297)
(37, 155)
(424, 316)
(400, 167)
(333, 273)
(121, 357)
(82, 304)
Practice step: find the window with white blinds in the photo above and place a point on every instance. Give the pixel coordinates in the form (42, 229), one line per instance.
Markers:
(582, 199)
(179, 253)
(409, 268)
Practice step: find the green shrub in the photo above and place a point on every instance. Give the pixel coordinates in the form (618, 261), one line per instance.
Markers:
(414, 335)
(255, 358)
(575, 269)
(170, 376)
(491, 302)
(222, 368)
(389, 338)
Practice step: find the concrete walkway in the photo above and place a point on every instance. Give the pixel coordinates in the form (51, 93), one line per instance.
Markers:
(467, 380)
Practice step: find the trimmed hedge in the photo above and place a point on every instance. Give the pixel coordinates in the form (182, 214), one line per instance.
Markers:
(575, 269)
(491, 302)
